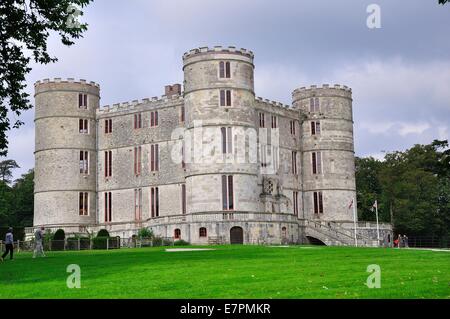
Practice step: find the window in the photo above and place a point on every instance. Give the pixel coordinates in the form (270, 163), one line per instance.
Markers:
(224, 70)
(84, 126)
(202, 232)
(137, 160)
(108, 163)
(227, 140)
(315, 128)
(182, 114)
(177, 233)
(138, 204)
(227, 192)
(154, 158)
(314, 105)
(108, 207)
(183, 199)
(225, 97)
(294, 163)
(317, 162)
(183, 159)
(295, 201)
(318, 203)
(82, 101)
(292, 127)
(262, 120)
(137, 121)
(154, 119)
(154, 202)
(84, 162)
(274, 121)
(83, 204)
(108, 126)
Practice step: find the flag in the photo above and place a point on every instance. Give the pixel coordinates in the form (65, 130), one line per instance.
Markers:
(350, 205)
(374, 206)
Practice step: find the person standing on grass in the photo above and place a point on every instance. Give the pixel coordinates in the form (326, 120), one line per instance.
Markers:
(9, 243)
(405, 241)
(38, 237)
(400, 241)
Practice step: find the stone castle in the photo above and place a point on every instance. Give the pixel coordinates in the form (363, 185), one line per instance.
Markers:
(208, 162)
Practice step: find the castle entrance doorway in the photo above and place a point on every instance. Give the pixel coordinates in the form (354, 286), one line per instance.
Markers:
(236, 235)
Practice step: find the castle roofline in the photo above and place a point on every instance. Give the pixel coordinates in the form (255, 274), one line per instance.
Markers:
(324, 86)
(68, 80)
(117, 107)
(218, 49)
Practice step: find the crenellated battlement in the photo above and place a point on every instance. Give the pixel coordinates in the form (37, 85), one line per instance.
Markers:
(218, 49)
(68, 80)
(323, 87)
(129, 106)
(273, 103)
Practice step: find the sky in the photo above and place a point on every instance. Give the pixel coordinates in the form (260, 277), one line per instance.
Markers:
(399, 73)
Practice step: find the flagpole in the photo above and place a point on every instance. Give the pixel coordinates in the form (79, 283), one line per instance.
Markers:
(354, 221)
(378, 227)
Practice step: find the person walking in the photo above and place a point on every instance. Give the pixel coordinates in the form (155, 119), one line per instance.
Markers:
(400, 241)
(38, 237)
(9, 243)
(405, 241)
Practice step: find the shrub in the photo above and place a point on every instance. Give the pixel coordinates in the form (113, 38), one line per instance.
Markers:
(157, 241)
(100, 242)
(181, 243)
(59, 235)
(145, 233)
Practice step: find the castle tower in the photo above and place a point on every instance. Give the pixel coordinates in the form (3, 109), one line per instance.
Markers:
(65, 153)
(328, 152)
(219, 96)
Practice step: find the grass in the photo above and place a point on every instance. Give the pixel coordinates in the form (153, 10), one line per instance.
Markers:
(230, 272)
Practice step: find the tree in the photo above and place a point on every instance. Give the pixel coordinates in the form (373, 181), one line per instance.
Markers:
(443, 1)
(24, 30)
(412, 189)
(6, 168)
(23, 195)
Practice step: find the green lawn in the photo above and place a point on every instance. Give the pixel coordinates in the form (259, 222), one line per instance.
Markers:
(230, 272)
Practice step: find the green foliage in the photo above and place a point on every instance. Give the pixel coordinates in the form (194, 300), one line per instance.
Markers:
(17, 202)
(412, 189)
(6, 168)
(24, 28)
(181, 243)
(59, 235)
(145, 233)
(102, 233)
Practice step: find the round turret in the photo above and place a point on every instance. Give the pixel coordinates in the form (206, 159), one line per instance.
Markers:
(219, 98)
(65, 153)
(328, 151)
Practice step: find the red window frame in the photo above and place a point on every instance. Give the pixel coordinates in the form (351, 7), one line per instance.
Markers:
(154, 158)
(227, 193)
(154, 202)
(108, 207)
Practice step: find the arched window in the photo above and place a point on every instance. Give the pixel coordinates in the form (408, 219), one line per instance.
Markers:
(284, 232)
(203, 232)
(177, 233)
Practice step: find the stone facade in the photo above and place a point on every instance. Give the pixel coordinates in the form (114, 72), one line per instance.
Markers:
(214, 171)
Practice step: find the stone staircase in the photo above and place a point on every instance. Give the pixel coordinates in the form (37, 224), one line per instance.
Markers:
(333, 235)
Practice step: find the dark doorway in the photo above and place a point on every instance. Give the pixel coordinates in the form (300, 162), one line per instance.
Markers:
(236, 236)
